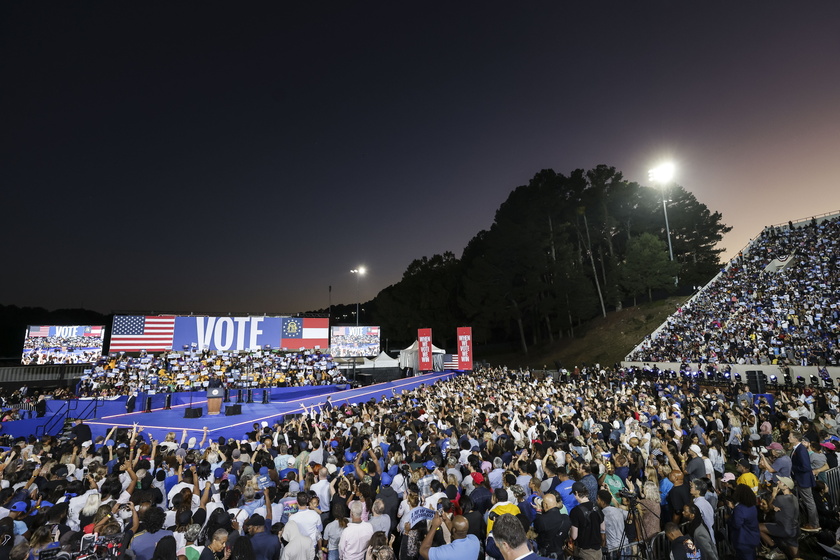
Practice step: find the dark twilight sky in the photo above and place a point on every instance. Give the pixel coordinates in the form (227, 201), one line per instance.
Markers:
(239, 157)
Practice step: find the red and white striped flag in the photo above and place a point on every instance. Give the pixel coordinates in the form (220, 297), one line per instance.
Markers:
(132, 333)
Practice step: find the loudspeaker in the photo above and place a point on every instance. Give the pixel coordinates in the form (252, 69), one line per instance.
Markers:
(148, 404)
(192, 412)
(233, 409)
(756, 382)
(167, 405)
(364, 379)
(266, 398)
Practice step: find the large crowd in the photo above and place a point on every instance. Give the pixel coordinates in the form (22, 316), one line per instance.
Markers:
(753, 315)
(121, 374)
(497, 464)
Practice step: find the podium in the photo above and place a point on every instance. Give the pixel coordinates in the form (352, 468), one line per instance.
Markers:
(214, 400)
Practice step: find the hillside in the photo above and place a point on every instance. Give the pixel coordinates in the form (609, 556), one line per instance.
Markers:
(604, 340)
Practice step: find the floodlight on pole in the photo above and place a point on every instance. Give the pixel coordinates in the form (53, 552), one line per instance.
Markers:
(662, 175)
(359, 272)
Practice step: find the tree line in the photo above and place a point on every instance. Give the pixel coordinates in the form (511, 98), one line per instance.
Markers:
(561, 250)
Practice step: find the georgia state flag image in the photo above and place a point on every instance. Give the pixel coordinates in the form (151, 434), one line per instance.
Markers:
(305, 333)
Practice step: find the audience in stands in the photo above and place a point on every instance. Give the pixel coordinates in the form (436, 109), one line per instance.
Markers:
(120, 374)
(751, 314)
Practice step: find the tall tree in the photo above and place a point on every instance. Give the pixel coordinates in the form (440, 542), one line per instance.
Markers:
(647, 267)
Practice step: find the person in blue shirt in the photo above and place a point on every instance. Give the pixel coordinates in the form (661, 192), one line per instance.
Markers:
(463, 545)
(565, 489)
(744, 534)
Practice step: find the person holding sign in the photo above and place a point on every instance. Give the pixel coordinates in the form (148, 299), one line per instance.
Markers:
(463, 546)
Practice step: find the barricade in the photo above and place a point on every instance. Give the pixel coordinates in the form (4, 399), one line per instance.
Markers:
(832, 480)
(660, 547)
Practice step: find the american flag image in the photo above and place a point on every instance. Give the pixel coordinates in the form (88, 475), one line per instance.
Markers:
(39, 331)
(132, 333)
(450, 361)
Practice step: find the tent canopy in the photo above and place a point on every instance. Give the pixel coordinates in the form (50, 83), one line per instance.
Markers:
(409, 356)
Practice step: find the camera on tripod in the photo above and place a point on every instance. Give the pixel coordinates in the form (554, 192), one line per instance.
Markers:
(626, 494)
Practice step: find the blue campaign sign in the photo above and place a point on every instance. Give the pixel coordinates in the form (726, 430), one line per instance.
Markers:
(227, 333)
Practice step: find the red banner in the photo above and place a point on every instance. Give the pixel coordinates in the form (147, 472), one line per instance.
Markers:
(465, 350)
(424, 349)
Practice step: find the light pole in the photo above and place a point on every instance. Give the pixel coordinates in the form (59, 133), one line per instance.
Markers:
(662, 175)
(359, 272)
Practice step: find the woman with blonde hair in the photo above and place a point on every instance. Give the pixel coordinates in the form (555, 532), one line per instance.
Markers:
(733, 443)
(91, 508)
(651, 509)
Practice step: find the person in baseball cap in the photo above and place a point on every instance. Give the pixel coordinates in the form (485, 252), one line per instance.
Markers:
(746, 475)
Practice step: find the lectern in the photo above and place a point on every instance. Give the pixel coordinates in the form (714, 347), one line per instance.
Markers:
(214, 400)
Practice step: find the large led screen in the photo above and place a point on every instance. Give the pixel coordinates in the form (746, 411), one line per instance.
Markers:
(354, 342)
(50, 344)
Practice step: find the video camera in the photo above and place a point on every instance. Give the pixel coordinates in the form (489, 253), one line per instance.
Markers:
(627, 495)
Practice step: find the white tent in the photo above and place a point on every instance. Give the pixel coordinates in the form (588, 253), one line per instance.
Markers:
(383, 360)
(409, 357)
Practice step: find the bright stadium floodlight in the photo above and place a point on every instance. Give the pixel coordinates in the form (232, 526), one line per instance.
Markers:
(662, 175)
(359, 272)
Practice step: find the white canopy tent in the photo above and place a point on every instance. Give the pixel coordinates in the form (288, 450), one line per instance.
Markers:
(409, 357)
(383, 360)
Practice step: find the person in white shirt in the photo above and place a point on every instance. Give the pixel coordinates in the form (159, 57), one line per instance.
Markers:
(322, 487)
(356, 536)
(307, 520)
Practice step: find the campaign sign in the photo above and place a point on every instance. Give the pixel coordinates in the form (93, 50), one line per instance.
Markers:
(227, 333)
(420, 514)
(424, 349)
(465, 349)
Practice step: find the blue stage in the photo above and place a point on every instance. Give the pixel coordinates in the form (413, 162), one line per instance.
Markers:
(284, 401)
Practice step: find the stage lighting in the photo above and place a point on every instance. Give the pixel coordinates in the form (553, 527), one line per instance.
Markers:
(774, 380)
(727, 375)
(738, 377)
(828, 381)
(800, 381)
(815, 382)
(788, 380)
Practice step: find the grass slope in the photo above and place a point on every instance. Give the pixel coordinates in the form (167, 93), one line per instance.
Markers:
(604, 340)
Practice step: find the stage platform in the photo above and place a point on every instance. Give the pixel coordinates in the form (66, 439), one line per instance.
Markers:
(160, 421)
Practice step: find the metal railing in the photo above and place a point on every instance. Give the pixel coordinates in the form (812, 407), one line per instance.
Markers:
(660, 547)
(832, 480)
(74, 408)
